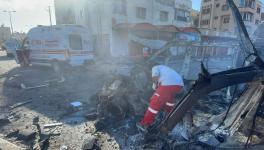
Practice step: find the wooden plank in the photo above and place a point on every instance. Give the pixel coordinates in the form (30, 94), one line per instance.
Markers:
(52, 125)
(236, 108)
(245, 105)
(249, 110)
(20, 104)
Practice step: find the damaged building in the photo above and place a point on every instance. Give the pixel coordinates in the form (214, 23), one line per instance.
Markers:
(114, 21)
(122, 29)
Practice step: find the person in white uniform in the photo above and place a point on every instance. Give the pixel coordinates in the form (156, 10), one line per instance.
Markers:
(167, 84)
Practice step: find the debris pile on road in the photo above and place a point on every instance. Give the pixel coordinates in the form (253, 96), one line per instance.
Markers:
(120, 99)
(68, 116)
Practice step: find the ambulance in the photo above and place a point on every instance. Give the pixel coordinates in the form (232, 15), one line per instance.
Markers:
(64, 44)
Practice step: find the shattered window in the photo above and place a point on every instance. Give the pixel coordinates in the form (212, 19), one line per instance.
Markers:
(75, 42)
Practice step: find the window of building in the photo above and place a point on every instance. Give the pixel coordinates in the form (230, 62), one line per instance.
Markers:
(217, 5)
(241, 3)
(216, 17)
(119, 7)
(258, 10)
(225, 7)
(247, 16)
(247, 3)
(141, 12)
(75, 42)
(207, 1)
(206, 10)
(182, 15)
(205, 22)
(257, 22)
(164, 16)
(166, 2)
(226, 19)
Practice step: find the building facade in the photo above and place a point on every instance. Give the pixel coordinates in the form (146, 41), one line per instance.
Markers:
(5, 33)
(113, 21)
(183, 10)
(262, 16)
(195, 18)
(216, 15)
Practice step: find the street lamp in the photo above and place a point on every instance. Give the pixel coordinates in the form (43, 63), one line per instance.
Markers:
(10, 18)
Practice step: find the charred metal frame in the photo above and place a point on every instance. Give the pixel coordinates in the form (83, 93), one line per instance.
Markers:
(208, 83)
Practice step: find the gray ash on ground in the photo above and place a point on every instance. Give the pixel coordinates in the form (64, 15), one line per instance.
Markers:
(113, 129)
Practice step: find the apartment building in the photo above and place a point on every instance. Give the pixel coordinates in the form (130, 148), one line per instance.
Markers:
(183, 10)
(195, 18)
(113, 21)
(262, 17)
(5, 34)
(216, 15)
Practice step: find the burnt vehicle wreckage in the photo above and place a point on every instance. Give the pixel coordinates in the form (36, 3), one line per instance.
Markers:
(208, 83)
(243, 109)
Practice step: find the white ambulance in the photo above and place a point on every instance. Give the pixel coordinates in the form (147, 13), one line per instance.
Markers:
(71, 44)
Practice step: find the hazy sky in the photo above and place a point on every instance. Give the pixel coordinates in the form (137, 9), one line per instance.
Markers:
(30, 13)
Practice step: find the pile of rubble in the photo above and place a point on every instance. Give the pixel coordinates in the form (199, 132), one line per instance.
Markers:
(218, 120)
(108, 119)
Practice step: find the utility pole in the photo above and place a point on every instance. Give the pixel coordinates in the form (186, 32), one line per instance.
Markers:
(152, 12)
(10, 19)
(49, 7)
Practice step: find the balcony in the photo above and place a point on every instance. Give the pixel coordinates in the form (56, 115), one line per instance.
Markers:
(206, 16)
(184, 4)
(247, 9)
(247, 4)
(165, 2)
(247, 16)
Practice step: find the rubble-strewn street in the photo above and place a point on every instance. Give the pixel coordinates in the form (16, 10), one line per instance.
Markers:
(63, 114)
(51, 104)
